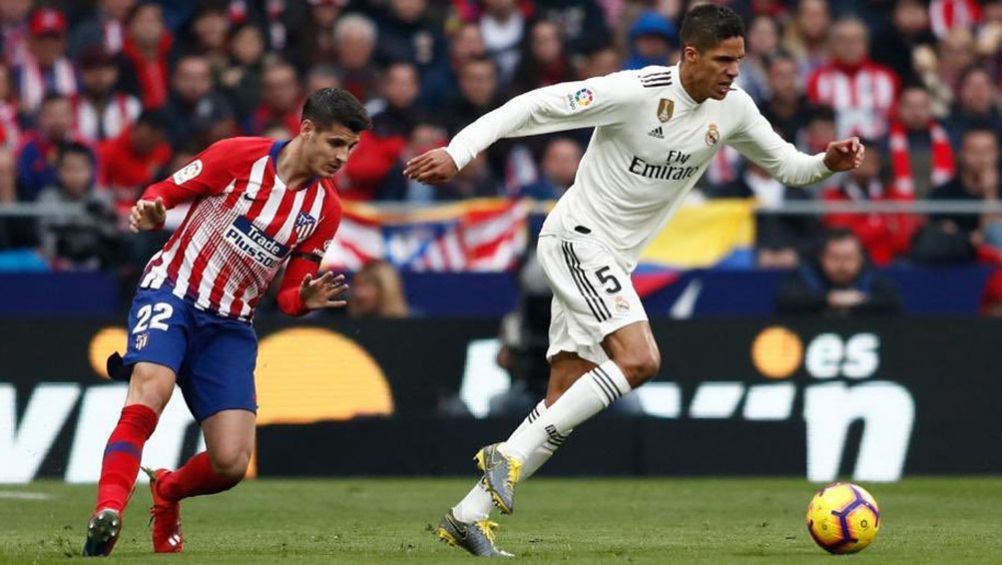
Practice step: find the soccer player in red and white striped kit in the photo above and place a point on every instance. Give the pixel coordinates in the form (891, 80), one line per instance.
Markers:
(257, 204)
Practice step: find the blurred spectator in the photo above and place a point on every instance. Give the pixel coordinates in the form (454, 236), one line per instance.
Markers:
(786, 107)
(129, 161)
(954, 55)
(10, 128)
(355, 42)
(763, 43)
(313, 42)
(503, 26)
(206, 35)
(952, 238)
(559, 166)
(14, 29)
(907, 29)
(778, 238)
(36, 163)
(100, 111)
(241, 81)
(475, 180)
(989, 35)
(281, 99)
(838, 282)
(466, 43)
(543, 61)
(104, 29)
(885, 236)
(320, 77)
(581, 23)
(947, 15)
(405, 34)
(601, 62)
(806, 35)
(977, 104)
(920, 152)
(379, 149)
(477, 95)
(45, 68)
(88, 239)
(651, 39)
(377, 291)
(395, 186)
(195, 110)
(819, 131)
(147, 46)
(861, 92)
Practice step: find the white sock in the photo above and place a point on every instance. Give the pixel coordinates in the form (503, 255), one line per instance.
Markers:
(589, 395)
(477, 504)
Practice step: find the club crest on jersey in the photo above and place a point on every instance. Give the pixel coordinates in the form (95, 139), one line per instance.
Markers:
(188, 172)
(304, 225)
(712, 135)
(665, 110)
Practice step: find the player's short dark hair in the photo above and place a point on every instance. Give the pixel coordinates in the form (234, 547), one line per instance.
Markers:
(329, 106)
(705, 26)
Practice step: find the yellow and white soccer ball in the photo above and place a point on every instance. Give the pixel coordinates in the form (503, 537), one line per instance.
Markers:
(843, 518)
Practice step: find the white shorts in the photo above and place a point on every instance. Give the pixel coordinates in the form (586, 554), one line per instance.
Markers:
(593, 295)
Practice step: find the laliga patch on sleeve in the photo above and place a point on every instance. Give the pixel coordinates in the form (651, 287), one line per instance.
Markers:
(190, 171)
(580, 99)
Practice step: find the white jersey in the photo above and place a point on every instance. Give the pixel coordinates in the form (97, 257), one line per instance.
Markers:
(651, 143)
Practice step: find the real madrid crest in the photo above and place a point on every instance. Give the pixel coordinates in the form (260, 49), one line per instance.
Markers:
(665, 109)
(712, 135)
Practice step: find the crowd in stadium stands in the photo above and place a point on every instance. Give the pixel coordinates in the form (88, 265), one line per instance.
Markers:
(99, 98)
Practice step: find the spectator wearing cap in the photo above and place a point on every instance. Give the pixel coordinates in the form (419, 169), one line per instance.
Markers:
(281, 99)
(129, 162)
(144, 72)
(45, 69)
(861, 92)
(651, 40)
(100, 111)
(885, 236)
(543, 62)
(838, 281)
(105, 28)
(36, 163)
(195, 109)
(920, 152)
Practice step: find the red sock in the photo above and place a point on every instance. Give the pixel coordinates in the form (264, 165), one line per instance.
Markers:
(123, 455)
(195, 478)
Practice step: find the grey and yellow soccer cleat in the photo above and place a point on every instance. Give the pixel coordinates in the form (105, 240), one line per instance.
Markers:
(501, 472)
(102, 533)
(475, 537)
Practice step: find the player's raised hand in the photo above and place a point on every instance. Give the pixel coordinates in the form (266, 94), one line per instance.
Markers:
(844, 155)
(321, 292)
(432, 167)
(147, 215)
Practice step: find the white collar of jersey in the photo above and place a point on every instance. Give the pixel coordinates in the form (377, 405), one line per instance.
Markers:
(677, 87)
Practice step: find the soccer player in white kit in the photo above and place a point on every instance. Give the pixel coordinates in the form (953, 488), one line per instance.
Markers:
(656, 130)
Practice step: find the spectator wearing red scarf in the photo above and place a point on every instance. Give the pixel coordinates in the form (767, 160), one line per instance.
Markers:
(861, 91)
(146, 49)
(919, 147)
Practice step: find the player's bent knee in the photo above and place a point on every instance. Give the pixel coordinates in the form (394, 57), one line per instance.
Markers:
(231, 465)
(151, 385)
(640, 367)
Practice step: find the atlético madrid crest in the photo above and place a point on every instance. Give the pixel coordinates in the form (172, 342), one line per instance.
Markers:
(304, 225)
(665, 109)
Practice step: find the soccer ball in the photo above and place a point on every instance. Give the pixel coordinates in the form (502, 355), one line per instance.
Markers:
(843, 518)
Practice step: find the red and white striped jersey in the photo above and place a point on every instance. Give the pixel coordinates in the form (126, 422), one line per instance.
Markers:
(862, 99)
(242, 226)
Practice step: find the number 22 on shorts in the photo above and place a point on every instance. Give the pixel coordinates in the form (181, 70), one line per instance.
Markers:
(153, 316)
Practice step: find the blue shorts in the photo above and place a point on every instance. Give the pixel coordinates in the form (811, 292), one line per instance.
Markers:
(213, 357)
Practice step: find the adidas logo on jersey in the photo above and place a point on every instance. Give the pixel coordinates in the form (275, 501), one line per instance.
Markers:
(657, 133)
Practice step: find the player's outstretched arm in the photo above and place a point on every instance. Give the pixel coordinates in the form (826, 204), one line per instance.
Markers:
(432, 167)
(147, 215)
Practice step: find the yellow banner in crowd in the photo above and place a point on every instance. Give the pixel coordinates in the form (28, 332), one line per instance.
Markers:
(702, 235)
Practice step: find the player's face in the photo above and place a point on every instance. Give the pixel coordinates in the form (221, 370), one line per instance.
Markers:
(714, 70)
(328, 150)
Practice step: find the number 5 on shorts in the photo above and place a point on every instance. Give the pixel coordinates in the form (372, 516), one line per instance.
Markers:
(153, 316)
(606, 278)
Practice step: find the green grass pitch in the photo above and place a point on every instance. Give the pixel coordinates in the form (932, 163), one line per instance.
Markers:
(704, 521)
